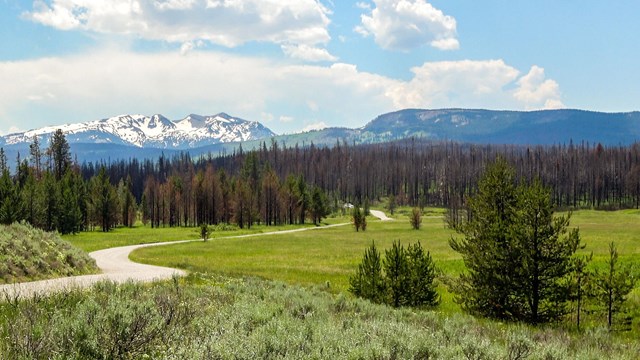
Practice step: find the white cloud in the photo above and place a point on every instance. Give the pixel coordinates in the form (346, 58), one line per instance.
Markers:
(86, 87)
(308, 53)
(535, 91)
(315, 126)
(407, 24)
(298, 23)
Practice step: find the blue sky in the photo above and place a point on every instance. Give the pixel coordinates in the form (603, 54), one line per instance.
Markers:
(302, 64)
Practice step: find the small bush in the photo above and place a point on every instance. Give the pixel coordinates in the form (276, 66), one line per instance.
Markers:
(415, 218)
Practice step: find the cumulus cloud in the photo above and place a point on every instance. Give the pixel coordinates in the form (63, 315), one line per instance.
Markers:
(85, 87)
(301, 25)
(535, 90)
(308, 53)
(407, 24)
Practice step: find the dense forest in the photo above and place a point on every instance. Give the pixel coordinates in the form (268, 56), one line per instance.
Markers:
(278, 184)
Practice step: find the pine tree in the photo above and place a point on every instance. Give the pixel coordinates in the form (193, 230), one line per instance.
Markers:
(422, 273)
(36, 156)
(545, 249)
(103, 201)
(488, 246)
(614, 285)
(10, 200)
(60, 154)
(69, 219)
(319, 208)
(519, 255)
(397, 275)
(368, 281)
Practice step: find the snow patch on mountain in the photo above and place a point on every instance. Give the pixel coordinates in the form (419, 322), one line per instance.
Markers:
(153, 131)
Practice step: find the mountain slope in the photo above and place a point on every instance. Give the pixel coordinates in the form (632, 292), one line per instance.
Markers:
(152, 132)
(138, 136)
(544, 127)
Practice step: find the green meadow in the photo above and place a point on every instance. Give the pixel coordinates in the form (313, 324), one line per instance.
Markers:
(326, 257)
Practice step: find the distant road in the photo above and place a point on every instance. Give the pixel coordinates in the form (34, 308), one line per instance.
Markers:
(380, 215)
(116, 266)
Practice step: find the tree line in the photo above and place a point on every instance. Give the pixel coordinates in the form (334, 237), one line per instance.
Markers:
(278, 184)
(48, 191)
(416, 172)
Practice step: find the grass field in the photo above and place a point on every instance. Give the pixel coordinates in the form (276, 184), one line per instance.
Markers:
(328, 257)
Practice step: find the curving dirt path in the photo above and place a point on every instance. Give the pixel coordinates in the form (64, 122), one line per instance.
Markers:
(380, 215)
(116, 266)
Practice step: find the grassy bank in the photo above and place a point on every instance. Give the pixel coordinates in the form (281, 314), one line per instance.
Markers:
(28, 254)
(212, 317)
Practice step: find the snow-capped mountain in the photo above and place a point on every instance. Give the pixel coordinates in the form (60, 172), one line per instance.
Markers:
(152, 132)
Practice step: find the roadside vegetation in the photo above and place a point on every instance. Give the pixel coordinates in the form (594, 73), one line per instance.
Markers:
(213, 317)
(27, 253)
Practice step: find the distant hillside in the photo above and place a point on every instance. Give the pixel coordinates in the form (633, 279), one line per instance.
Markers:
(545, 127)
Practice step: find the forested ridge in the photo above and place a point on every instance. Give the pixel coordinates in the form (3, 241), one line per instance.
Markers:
(278, 184)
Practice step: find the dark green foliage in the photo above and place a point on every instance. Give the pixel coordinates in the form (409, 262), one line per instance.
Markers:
(10, 200)
(613, 286)
(59, 154)
(27, 253)
(422, 273)
(517, 253)
(415, 218)
(368, 281)
(319, 207)
(404, 278)
(102, 203)
(397, 275)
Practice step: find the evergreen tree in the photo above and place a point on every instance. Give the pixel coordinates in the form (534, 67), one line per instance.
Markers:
(519, 255)
(397, 275)
(545, 249)
(488, 246)
(614, 285)
(36, 156)
(30, 204)
(319, 208)
(10, 200)
(60, 154)
(422, 273)
(103, 201)
(69, 219)
(303, 199)
(49, 202)
(3, 162)
(368, 282)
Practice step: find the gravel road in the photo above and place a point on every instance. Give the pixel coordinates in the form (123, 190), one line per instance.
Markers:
(116, 266)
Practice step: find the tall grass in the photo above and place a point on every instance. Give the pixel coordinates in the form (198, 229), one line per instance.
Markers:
(212, 317)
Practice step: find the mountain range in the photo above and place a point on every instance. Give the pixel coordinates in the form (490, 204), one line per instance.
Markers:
(142, 136)
(152, 131)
